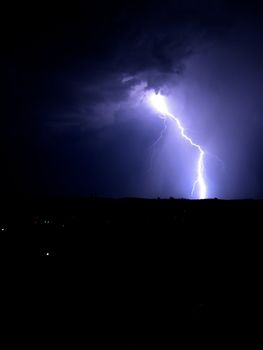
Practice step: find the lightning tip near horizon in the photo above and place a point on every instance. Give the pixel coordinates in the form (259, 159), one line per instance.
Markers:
(158, 101)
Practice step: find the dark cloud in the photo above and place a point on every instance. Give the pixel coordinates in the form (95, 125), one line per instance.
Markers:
(51, 49)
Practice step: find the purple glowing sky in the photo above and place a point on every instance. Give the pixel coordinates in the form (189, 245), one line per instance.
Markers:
(75, 114)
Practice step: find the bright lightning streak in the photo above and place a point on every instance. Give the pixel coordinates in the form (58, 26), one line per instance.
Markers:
(159, 103)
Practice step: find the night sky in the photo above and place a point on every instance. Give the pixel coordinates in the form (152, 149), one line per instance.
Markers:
(74, 117)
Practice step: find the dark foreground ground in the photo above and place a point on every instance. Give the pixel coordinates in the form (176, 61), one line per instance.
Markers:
(81, 227)
(140, 274)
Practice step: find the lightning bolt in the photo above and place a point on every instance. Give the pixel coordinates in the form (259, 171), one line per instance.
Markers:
(159, 103)
(164, 128)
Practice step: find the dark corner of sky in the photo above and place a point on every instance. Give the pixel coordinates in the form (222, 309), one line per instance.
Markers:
(79, 115)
